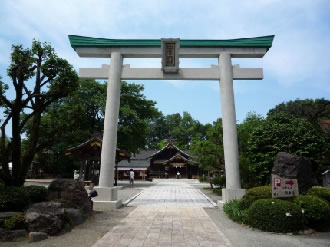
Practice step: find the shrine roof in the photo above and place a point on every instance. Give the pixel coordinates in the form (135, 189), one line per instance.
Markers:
(91, 150)
(170, 145)
(178, 156)
(259, 42)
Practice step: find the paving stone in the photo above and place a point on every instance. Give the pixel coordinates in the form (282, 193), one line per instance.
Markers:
(175, 194)
(168, 214)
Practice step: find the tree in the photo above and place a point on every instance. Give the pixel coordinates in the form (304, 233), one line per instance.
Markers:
(82, 114)
(245, 129)
(135, 113)
(209, 149)
(311, 110)
(244, 132)
(54, 78)
(282, 133)
(174, 126)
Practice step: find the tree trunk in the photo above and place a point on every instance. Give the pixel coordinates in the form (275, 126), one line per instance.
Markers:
(16, 180)
(32, 144)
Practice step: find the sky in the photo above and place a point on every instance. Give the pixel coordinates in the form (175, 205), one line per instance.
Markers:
(297, 66)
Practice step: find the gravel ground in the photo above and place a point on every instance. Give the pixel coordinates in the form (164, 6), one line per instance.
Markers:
(83, 235)
(243, 236)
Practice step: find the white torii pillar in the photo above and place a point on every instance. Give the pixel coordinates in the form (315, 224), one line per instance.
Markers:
(230, 144)
(106, 189)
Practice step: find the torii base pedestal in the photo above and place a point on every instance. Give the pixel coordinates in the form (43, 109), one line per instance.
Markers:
(107, 198)
(231, 194)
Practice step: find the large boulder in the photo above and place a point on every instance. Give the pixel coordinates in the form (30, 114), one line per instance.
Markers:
(74, 216)
(45, 217)
(295, 167)
(70, 193)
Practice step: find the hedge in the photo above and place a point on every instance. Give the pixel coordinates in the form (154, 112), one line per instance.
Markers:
(275, 215)
(315, 209)
(13, 199)
(36, 193)
(321, 192)
(253, 194)
(15, 222)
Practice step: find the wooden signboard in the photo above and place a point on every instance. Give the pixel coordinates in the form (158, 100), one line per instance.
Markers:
(284, 187)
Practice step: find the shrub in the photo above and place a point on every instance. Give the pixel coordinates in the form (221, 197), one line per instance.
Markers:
(2, 184)
(274, 215)
(219, 181)
(203, 179)
(13, 199)
(253, 194)
(316, 210)
(319, 191)
(217, 191)
(234, 212)
(36, 193)
(15, 222)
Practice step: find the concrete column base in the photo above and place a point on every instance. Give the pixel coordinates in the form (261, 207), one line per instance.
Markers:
(231, 194)
(106, 205)
(106, 193)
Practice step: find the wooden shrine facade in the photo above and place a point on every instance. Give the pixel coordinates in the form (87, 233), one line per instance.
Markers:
(89, 154)
(170, 160)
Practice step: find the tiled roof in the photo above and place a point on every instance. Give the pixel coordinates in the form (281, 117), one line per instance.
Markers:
(258, 42)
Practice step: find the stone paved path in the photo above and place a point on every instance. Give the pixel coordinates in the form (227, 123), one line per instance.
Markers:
(177, 194)
(167, 214)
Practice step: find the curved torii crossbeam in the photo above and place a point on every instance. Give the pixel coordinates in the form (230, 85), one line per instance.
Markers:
(224, 50)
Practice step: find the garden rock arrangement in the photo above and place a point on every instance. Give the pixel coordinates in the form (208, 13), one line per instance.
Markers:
(68, 205)
(295, 167)
(7, 221)
(71, 193)
(47, 217)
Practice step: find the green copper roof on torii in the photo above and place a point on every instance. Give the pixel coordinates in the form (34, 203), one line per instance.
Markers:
(258, 42)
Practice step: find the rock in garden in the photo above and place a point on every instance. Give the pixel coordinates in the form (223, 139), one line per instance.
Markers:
(295, 167)
(71, 193)
(75, 216)
(37, 236)
(7, 215)
(13, 235)
(45, 217)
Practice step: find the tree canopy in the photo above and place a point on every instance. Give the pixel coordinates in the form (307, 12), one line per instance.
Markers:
(39, 78)
(209, 148)
(82, 115)
(312, 110)
(174, 126)
(282, 132)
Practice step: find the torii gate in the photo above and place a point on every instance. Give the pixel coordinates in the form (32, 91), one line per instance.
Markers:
(170, 50)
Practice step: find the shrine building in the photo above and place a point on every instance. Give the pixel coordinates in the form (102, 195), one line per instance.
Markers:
(163, 163)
